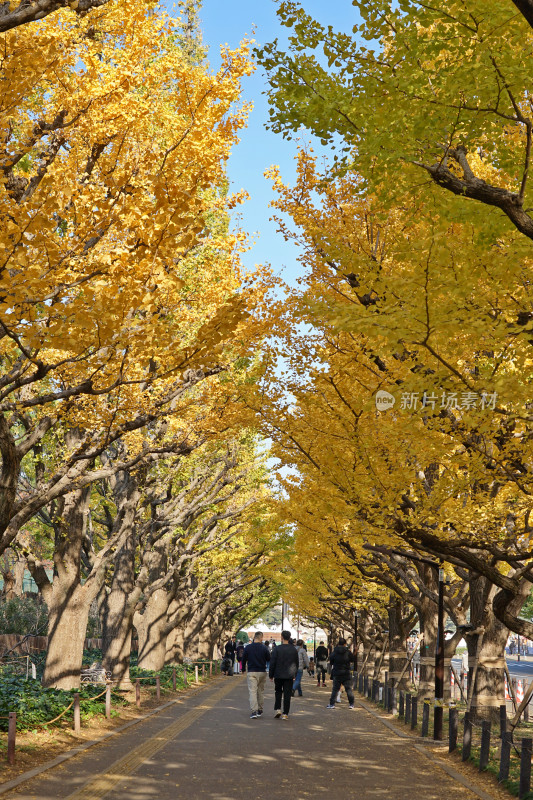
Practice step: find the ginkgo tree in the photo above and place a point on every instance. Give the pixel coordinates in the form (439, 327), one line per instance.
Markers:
(115, 281)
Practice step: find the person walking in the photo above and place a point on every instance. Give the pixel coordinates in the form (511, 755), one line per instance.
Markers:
(303, 663)
(322, 656)
(340, 660)
(254, 661)
(239, 654)
(282, 670)
(229, 650)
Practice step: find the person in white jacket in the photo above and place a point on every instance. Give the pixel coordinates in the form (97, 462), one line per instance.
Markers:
(303, 663)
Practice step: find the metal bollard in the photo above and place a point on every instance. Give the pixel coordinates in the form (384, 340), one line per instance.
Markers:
(138, 693)
(11, 736)
(484, 753)
(467, 737)
(77, 719)
(108, 701)
(525, 767)
(157, 687)
(453, 729)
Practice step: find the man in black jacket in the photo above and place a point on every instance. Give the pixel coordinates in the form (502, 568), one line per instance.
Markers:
(340, 660)
(282, 670)
(321, 658)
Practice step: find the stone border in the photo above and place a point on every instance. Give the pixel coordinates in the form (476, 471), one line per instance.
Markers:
(417, 744)
(32, 773)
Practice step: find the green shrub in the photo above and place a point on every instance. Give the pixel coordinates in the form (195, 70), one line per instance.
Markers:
(23, 615)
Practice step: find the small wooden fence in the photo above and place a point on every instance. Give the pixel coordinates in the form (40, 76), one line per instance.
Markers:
(200, 670)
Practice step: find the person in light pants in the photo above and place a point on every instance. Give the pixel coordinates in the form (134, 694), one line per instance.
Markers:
(255, 659)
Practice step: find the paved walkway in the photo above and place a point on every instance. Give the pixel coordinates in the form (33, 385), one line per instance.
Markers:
(206, 748)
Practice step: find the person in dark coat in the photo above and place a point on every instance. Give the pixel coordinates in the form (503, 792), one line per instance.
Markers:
(229, 649)
(282, 670)
(322, 656)
(341, 660)
(239, 653)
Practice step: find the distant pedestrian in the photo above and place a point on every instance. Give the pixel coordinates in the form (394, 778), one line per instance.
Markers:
(303, 663)
(311, 667)
(229, 650)
(340, 660)
(239, 653)
(255, 659)
(226, 666)
(322, 656)
(282, 670)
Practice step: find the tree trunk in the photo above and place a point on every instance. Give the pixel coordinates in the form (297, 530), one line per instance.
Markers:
(68, 601)
(397, 644)
(153, 630)
(117, 605)
(488, 691)
(68, 616)
(427, 614)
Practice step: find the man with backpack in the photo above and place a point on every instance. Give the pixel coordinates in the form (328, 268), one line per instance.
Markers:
(282, 670)
(341, 660)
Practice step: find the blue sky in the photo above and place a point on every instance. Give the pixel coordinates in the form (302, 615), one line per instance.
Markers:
(228, 21)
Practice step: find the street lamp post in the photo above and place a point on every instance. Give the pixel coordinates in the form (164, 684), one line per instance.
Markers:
(439, 663)
(314, 644)
(355, 643)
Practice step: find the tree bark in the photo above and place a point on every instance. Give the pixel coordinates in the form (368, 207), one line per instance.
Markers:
(67, 599)
(427, 614)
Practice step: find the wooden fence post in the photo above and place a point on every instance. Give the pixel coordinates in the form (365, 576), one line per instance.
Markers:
(503, 720)
(484, 753)
(158, 687)
(393, 699)
(425, 718)
(210, 668)
(407, 718)
(453, 727)
(203, 670)
(173, 679)
(77, 719)
(365, 685)
(505, 755)
(11, 736)
(185, 676)
(401, 711)
(414, 712)
(525, 767)
(196, 673)
(526, 709)
(467, 737)
(138, 693)
(108, 701)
